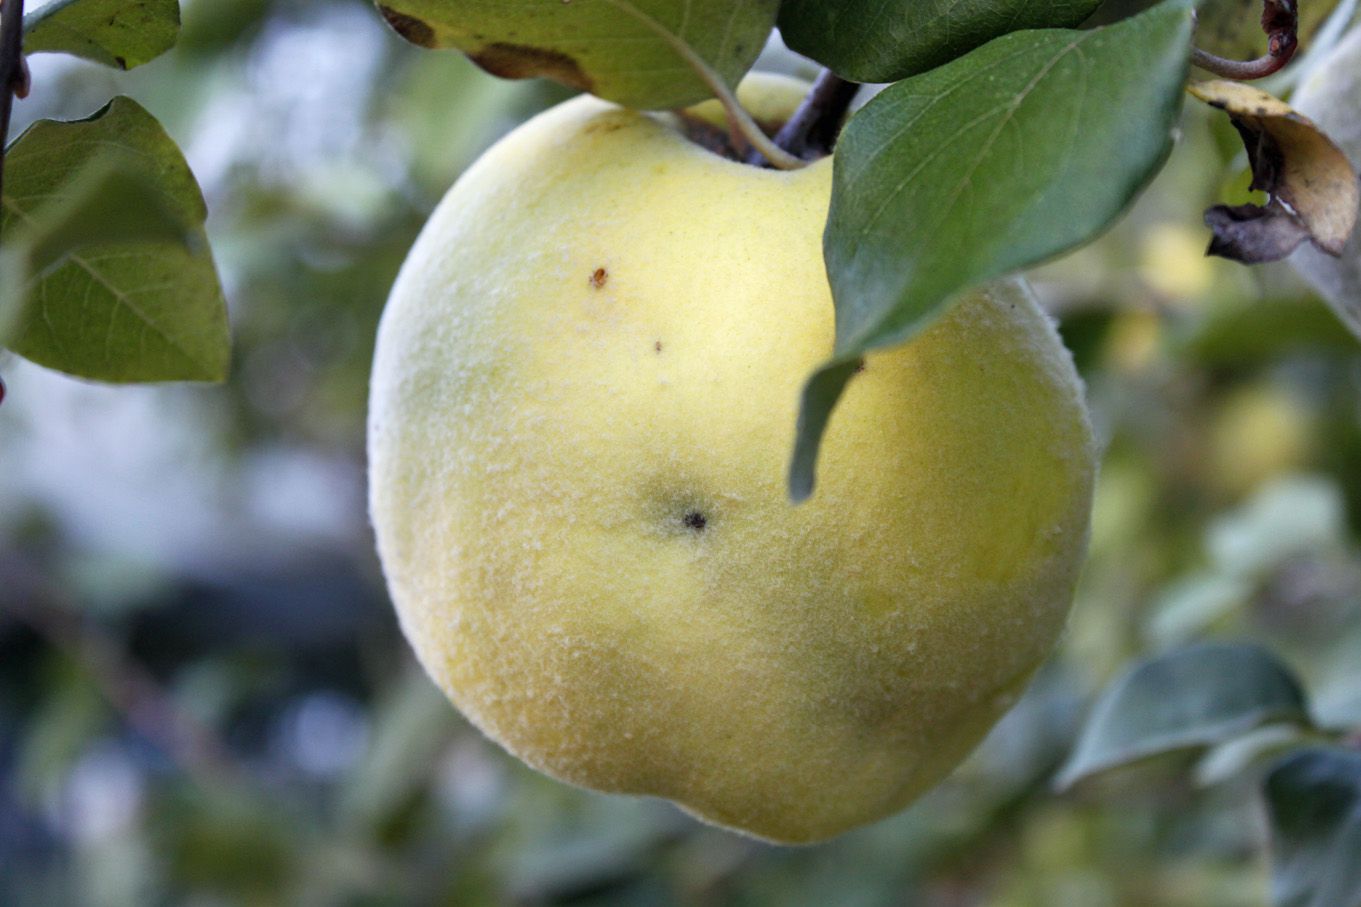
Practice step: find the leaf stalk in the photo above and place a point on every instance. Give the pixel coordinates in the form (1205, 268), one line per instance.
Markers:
(1280, 22)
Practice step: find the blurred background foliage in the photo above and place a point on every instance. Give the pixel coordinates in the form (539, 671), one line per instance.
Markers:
(204, 697)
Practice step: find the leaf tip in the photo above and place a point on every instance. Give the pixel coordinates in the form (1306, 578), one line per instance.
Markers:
(820, 396)
(801, 478)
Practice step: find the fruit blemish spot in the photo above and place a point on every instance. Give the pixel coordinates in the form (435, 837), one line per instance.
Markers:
(599, 278)
(695, 520)
(657, 346)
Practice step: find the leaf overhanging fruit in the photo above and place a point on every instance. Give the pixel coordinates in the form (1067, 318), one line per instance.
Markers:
(1048, 137)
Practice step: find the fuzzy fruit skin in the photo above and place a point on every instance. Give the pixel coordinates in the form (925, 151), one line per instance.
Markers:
(602, 333)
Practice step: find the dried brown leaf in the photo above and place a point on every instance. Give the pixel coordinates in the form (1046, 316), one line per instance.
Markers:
(1312, 188)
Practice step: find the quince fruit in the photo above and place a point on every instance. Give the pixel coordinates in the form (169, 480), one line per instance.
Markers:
(583, 404)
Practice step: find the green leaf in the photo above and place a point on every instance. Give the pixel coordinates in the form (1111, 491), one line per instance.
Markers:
(108, 201)
(888, 40)
(110, 219)
(639, 53)
(1314, 805)
(1192, 698)
(1023, 149)
(111, 200)
(1231, 757)
(119, 33)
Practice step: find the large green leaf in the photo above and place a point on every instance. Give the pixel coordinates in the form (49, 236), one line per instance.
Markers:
(1023, 149)
(639, 53)
(1314, 802)
(1195, 697)
(121, 33)
(109, 222)
(887, 40)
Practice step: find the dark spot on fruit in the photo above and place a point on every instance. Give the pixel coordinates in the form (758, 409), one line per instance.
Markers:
(695, 520)
(599, 278)
(860, 366)
(518, 61)
(657, 346)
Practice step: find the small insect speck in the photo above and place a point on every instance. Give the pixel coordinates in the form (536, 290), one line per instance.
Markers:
(657, 346)
(599, 278)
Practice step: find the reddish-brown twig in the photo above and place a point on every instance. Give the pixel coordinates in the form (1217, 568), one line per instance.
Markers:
(1281, 22)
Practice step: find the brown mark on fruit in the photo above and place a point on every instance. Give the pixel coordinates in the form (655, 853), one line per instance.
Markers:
(860, 366)
(604, 124)
(657, 346)
(409, 27)
(517, 61)
(599, 278)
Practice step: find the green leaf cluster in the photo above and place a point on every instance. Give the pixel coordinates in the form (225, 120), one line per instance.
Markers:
(1229, 696)
(1191, 699)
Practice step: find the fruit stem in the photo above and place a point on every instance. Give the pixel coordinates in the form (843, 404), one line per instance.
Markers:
(740, 122)
(743, 127)
(13, 71)
(812, 130)
(1280, 21)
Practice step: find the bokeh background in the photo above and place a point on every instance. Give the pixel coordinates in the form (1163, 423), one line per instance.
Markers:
(204, 697)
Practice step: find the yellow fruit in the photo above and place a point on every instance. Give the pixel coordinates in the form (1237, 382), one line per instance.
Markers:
(583, 405)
